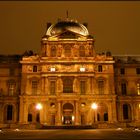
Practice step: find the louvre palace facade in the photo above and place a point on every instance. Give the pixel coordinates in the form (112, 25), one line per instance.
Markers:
(68, 83)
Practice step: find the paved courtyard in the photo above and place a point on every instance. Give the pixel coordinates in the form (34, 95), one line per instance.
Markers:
(71, 134)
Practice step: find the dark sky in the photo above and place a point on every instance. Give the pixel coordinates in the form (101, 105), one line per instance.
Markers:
(115, 25)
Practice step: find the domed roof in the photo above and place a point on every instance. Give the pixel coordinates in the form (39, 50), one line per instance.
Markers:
(67, 25)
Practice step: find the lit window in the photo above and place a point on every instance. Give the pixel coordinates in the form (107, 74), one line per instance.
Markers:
(101, 87)
(34, 87)
(11, 87)
(68, 85)
(52, 87)
(82, 87)
(52, 69)
(82, 69)
(138, 88)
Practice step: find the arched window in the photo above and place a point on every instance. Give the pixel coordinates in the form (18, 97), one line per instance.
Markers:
(68, 85)
(9, 112)
(125, 112)
(29, 117)
(53, 51)
(82, 51)
(67, 50)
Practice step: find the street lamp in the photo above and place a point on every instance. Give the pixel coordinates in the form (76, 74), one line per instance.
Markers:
(38, 106)
(94, 107)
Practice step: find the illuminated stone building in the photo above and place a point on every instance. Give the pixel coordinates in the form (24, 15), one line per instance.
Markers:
(59, 86)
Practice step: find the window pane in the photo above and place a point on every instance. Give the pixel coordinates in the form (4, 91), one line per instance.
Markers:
(52, 87)
(101, 87)
(100, 68)
(34, 87)
(9, 112)
(138, 70)
(122, 71)
(82, 87)
(53, 51)
(123, 89)
(67, 85)
(34, 68)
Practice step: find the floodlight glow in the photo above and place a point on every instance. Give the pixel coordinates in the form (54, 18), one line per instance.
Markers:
(38, 106)
(52, 69)
(94, 106)
(82, 69)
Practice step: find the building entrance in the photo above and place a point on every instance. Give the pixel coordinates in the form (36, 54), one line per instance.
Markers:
(68, 118)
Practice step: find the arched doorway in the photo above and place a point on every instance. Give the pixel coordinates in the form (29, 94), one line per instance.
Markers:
(102, 112)
(126, 112)
(68, 118)
(33, 114)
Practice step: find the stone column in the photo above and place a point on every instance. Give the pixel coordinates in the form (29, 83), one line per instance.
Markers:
(42, 85)
(21, 110)
(25, 112)
(46, 82)
(76, 113)
(59, 114)
(114, 113)
(89, 117)
(75, 85)
(41, 112)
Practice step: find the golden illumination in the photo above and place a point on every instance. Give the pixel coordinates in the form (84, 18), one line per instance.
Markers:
(94, 106)
(38, 106)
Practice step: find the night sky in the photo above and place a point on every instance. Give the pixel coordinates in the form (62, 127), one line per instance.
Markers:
(115, 25)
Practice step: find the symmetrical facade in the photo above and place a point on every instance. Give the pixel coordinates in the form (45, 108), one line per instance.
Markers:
(59, 85)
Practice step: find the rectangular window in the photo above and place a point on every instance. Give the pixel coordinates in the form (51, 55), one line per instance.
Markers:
(100, 69)
(137, 70)
(34, 68)
(122, 71)
(11, 88)
(101, 87)
(9, 112)
(52, 87)
(34, 87)
(82, 87)
(123, 89)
